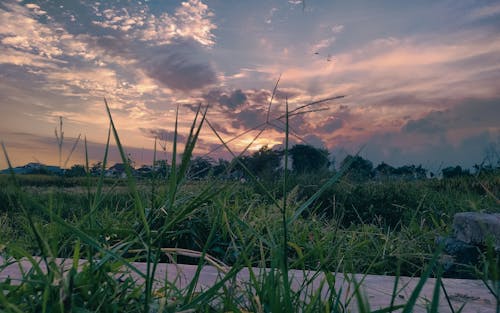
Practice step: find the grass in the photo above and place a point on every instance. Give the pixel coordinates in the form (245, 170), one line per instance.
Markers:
(293, 223)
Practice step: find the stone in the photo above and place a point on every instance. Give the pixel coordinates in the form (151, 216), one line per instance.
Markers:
(477, 228)
(458, 258)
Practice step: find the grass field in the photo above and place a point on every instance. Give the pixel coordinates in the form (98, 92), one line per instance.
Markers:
(322, 222)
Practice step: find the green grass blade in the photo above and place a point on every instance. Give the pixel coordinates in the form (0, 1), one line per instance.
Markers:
(284, 261)
(100, 183)
(243, 166)
(420, 285)
(318, 193)
(130, 179)
(190, 144)
(435, 296)
(172, 185)
(96, 245)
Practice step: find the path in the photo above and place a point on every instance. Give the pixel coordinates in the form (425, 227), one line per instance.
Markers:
(377, 288)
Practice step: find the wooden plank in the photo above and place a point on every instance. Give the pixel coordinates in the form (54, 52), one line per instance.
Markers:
(378, 289)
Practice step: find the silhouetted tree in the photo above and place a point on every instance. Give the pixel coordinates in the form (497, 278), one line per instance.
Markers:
(264, 163)
(384, 170)
(76, 170)
(308, 159)
(96, 168)
(457, 171)
(360, 169)
(411, 172)
(220, 167)
(161, 168)
(200, 167)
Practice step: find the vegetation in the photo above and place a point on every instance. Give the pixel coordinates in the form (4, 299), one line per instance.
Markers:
(279, 209)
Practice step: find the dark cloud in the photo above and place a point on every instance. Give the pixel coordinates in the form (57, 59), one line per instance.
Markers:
(259, 97)
(161, 134)
(298, 124)
(336, 120)
(282, 94)
(432, 123)
(230, 100)
(181, 66)
(248, 118)
(330, 125)
(476, 61)
(242, 108)
(406, 100)
(404, 148)
(470, 113)
(314, 140)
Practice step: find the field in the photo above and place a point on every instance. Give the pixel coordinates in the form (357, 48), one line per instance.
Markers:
(325, 221)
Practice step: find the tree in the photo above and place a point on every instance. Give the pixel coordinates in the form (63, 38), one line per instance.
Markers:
(360, 169)
(200, 167)
(384, 169)
(264, 163)
(161, 168)
(457, 171)
(76, 170)
(96, 169)
(220, 168)
(411, 172)
(308, 159)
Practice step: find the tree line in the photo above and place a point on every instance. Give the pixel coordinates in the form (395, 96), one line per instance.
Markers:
(268, 164)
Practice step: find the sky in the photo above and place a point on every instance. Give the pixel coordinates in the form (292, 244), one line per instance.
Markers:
(420, 79)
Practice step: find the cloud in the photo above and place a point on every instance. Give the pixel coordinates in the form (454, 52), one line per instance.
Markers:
(288, 93)
(336, 29)
(270, 15)
(314, 140)
(430, 124)
(34, 37)
(162, 134)
(485, 12)
(470, 114)
(324, 43)
(430, 151)
(192, 20)
(22, 31)
(247, 118)
(178, 66)
(330, 125)
(230, 100)
(329, 40)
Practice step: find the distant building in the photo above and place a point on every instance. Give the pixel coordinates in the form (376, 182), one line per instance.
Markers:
(35, 168)
(117, 170)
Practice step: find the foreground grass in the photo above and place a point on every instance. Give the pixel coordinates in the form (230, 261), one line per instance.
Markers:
(336, 226)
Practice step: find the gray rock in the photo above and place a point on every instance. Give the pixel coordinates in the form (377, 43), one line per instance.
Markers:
(459, 257)
(476, 228)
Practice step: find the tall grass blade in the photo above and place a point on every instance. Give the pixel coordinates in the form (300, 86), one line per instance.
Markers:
(42, 244)
(100, 183)
(409, 306)
(172, 186)
(284, 269)
(130, 179)
(435, 296)
(321, 190)
(245, 168)
(191, 143)
(96, 245)
(272, 97)
(73, 148)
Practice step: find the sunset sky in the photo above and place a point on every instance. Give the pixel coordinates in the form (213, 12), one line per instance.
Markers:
(421, 78)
